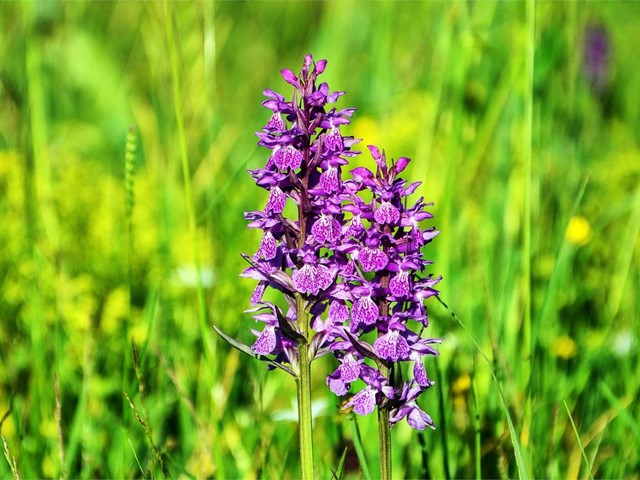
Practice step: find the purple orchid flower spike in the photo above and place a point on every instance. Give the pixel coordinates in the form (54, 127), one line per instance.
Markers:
(347, 257)
(383, 283)
(300, 254)
(307, 152)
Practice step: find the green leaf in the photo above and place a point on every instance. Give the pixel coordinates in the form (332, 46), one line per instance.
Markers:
(247, 350)
(575, 430)
(337, 473)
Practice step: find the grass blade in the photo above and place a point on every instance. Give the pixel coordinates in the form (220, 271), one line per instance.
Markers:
(357, 443)
(338, 472)
(575, 430)
(523, 470)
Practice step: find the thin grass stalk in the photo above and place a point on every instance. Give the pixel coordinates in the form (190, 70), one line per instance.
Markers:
(357, 444)
(38, 214)
(523, 470)
(476, 429)
(575, 431)
(186, 179)
(528, 162)
(527, 138)
(442, 410)
(11, 460)
(58, 418)
(129, 180)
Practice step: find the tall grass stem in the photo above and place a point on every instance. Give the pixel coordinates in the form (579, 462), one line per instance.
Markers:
(186, 179)
(575, 430)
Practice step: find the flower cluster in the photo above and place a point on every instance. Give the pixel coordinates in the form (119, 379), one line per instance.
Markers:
(596, 58)
(304, 170)
(383, 286)
(349, 264)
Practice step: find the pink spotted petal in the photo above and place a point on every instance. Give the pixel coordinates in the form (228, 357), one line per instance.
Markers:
(330, 180)
(363, 402)
(276, 202)
(326, 229)
(387, 213)
(333, 140)
(276, 122)
(266, 342)
(364, 310)
(350, 369)
(338, 312)
(304, 279)
(291, 157)
(372, 259)
(325, 277)
(267, 247)
(256, 296)
(355, 227)
(312, 278)
(399, 285)
(420, 374)
(392, 346)
(277, 158)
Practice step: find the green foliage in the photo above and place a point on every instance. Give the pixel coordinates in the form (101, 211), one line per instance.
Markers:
(103, 234)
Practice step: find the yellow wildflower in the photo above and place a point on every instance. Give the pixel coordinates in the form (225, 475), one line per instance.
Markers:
(579, 231)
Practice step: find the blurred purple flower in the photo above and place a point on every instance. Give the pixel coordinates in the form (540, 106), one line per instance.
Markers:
(596, 57)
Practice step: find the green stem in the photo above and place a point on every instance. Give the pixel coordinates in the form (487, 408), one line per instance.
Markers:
(304, 395)
(384, 435)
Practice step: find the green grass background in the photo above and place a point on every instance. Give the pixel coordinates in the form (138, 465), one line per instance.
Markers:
(104, 227)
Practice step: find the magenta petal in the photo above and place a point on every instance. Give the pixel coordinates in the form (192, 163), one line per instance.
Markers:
(372, 259)
(401, 164)
(289, 77)
(418, 419)
(387, 213)
(392, 346)
(336, 385)
(266, 342)
(375, 152)
(363, 402)
(420, 374)
(350, 369)
(276, 202)
(326, 229)
(365, 310)
(320, 66)
(399, 285)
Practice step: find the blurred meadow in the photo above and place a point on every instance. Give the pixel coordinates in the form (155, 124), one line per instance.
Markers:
(126, 129)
